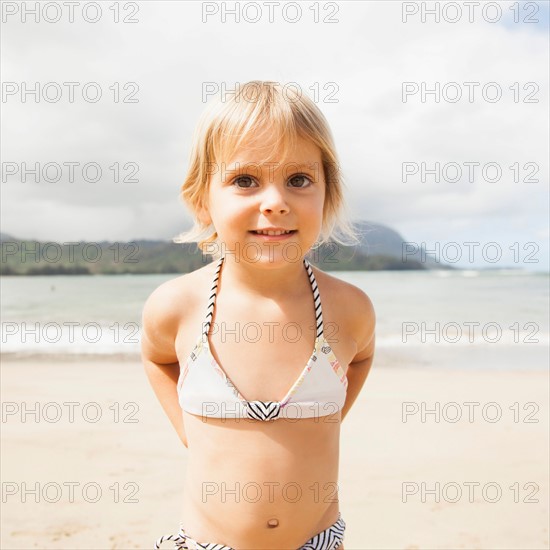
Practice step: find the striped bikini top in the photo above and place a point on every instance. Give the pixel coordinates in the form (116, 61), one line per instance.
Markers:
(204, 388)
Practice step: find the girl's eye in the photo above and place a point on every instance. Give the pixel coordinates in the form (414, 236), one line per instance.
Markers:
(301, 177)
(248, 181)
(241, 178)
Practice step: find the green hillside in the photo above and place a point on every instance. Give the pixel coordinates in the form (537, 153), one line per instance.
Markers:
(106, 258)
(380, 248)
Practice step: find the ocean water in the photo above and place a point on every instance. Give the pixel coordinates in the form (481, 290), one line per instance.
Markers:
(466, 319)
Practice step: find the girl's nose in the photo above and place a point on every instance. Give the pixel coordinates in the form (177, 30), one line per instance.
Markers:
(273, 200)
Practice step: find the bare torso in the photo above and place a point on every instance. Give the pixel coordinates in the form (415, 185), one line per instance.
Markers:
(253, 484)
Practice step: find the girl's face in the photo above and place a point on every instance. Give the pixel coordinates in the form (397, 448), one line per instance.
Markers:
(286, 194)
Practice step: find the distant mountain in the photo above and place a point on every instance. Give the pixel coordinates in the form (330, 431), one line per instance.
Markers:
(381, 248)
(380, 240)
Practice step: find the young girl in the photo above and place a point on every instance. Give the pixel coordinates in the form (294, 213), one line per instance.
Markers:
(228, 348)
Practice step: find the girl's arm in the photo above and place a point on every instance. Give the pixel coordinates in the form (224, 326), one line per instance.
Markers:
(364, 321)
(159, 357)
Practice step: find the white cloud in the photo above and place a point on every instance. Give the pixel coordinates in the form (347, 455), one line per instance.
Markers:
(368, 54)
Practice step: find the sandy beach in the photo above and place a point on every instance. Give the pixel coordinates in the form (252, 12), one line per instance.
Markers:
(98, 466)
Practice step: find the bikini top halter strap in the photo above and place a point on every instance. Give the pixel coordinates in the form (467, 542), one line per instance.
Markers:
(214, 291)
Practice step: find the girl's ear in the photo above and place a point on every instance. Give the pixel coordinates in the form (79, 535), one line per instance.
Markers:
(203, 216)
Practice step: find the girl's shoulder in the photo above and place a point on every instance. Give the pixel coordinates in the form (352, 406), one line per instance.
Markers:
(181, 290)
(342, 291)
(349, 305)
(166, 303)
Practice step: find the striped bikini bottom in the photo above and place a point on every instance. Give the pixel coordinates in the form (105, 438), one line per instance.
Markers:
(329, 539)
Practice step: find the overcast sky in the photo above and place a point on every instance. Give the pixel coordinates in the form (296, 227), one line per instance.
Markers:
(360, 62)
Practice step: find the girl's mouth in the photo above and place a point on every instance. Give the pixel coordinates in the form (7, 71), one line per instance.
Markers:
(274, 235)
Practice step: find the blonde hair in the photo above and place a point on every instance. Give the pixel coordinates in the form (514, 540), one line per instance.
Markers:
(282, 112)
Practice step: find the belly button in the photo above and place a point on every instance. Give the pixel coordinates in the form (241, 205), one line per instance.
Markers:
(273, 522)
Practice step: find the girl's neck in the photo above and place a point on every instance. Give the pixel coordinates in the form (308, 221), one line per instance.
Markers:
(264, 278)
